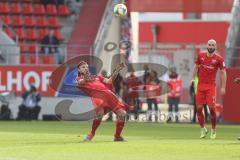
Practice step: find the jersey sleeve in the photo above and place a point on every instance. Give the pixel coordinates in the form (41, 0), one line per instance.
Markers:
(221, 64)
(197, 61)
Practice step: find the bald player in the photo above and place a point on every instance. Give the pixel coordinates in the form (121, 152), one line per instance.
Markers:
(206, 67)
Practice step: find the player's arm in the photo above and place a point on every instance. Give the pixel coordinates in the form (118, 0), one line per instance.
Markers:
(115, 73)
(81, 82)
(196, 67)
(195, 72)
(223, 76)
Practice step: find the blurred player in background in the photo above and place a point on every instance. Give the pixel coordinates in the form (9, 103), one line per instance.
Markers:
(103, 98)
(206, 66)
(237, 80)
(175, 86)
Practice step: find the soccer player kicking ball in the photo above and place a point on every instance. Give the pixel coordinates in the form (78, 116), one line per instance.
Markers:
(206, 66)
(237, 80)
(103, 99)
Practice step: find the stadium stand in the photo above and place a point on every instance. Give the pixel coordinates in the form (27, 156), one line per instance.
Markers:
(31, 22)
(85, 31)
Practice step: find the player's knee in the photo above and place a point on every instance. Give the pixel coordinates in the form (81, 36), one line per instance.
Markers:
(122, 114)
(199, 110)
(99, 115)
(212, 111)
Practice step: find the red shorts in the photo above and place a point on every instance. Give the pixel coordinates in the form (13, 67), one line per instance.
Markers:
(108, 101)
(206, 94)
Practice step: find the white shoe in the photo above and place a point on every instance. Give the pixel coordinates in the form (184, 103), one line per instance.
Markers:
(204, 132)
(213, 134)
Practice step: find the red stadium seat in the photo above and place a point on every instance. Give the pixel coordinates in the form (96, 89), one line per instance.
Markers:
(58, 34)
(23, 47)
(27, 8)
(33, 48)
(9, 32)
(51, 9)
(16, 8)
(6, 19)
(53, 22)
(31, 34)
(41, 21)
(17, 21)
(24, 59)
(28, 53)
(21, 33)
(63, 10)
(4, 8)
(47, 59)
(30, 21)
(33, 59)
(39, 9)
(42, 33)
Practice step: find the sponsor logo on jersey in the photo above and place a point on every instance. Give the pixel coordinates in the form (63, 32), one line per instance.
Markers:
(214, 61)
(209, 67)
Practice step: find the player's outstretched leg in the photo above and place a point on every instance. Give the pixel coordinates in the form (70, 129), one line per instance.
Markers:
(96, 122)
(119, 124)
(213, 118)
(201, 121)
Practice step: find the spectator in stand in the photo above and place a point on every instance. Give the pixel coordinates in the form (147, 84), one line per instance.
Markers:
(50, 46)
(29, 109)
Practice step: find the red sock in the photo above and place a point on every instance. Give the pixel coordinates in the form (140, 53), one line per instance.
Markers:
(95, 124)
(119, 128)
(213, 117)
(200, 117)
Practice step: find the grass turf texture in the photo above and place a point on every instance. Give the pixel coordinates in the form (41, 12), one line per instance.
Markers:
(60, 141)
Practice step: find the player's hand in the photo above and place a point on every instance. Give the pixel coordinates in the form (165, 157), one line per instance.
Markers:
(222, 91)
(237, 80)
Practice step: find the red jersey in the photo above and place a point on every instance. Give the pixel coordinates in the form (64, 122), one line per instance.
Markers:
(208, 67)
(133, 83)
(175, 86)
(96, 84)
(101, 94)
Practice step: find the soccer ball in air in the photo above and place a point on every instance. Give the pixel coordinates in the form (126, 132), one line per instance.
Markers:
(120, 10)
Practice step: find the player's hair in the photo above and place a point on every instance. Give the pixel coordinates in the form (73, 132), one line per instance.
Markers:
(80, 64)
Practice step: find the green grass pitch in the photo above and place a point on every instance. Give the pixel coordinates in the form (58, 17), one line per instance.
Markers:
(146, 141)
